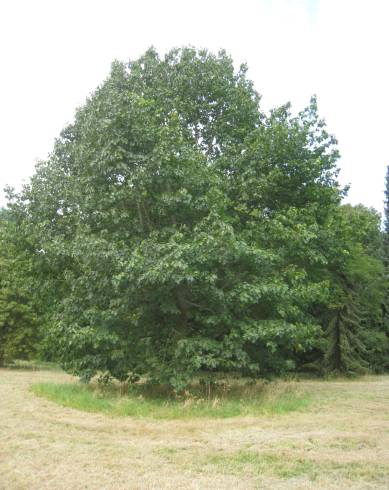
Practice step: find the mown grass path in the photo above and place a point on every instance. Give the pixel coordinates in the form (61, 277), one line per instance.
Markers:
(341, 441)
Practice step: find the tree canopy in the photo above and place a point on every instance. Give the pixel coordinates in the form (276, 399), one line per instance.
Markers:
(178, 228)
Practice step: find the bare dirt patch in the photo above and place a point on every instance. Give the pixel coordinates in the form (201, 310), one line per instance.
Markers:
(341, 441)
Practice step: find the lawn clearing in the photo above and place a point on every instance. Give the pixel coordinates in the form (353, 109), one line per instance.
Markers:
(339, 440)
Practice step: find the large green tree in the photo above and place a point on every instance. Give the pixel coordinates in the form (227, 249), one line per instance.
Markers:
(176, 227)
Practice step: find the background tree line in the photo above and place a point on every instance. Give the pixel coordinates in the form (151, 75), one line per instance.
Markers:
(178, 228)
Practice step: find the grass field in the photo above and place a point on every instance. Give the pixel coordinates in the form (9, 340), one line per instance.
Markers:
(330, 435)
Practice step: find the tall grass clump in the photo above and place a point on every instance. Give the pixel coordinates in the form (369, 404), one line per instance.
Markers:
(204, 398)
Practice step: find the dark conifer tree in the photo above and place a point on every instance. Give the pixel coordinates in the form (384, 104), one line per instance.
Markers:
(385, 256)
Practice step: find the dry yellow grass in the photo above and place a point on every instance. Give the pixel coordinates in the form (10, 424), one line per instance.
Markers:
(340, 442)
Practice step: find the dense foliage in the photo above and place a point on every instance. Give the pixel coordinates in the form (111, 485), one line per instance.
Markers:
(19, 333)
(177, 228)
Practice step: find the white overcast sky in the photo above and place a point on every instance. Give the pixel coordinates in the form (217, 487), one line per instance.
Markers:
(55, 52)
